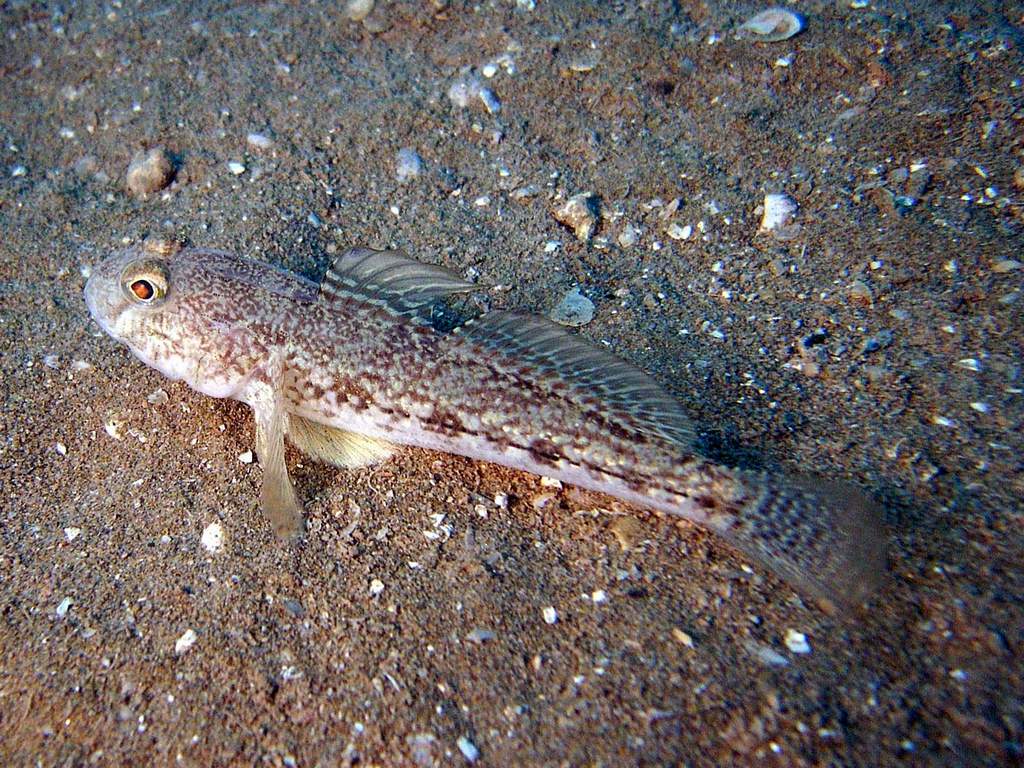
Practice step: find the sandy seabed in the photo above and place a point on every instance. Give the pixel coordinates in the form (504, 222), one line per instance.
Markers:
(875, 338)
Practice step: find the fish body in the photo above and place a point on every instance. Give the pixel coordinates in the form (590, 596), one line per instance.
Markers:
(371, 359)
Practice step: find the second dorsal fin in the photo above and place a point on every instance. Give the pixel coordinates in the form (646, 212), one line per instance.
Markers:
(628, 391)
(390, 279)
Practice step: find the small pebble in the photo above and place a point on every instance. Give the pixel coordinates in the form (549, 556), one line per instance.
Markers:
(779, 212)
(579, 213)
(245, 458)
(682, 637)
(628, 531)
(72, 533)
(61, 449)
(408, 165)
(150, 171)
(236, 168)
(677, 232)
(185, 642)
(573, 310)
(18, 170)
(860, 293)
(357, 10)
(62, 609)
(468, 749)
(797, 642)
(550, 615)
(599, 596)
(376, 587)
(259, 141)
(772, 25)
(629, 236)
(212, 538)
(157, 397)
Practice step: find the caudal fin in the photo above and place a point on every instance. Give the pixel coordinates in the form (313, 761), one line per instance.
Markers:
(824, 538)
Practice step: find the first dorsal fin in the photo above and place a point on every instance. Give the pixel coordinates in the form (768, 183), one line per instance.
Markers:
(624, 389)
(390, 279)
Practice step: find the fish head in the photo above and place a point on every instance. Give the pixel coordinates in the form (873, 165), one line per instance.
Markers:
(130, 294)
(194, 315)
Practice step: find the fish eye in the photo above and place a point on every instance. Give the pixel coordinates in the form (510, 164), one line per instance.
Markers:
(143, 289)
(145, 282)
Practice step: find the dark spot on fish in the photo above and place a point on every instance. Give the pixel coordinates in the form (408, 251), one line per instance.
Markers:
(545, 452)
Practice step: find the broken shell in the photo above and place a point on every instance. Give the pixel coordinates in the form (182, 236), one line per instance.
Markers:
(779, 211)
(579, 213)
(772, 25)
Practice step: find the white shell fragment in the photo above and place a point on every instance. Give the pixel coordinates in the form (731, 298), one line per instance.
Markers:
(550, 615)
(186, 641)
(574, 309)
(797, 642)
(408, 164)
(772, 25)
(779, 211)
(468, 749)
(212, 538)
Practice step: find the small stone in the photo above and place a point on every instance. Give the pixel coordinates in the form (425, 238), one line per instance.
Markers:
(599, 596)
(859, 293)
(236, 168)
(61, 449)
(212, 538)
(408, 165)
(18, 171)
(919, 182)
(523, 193)
(185, 642)
(259, 141)
(579, 213)
(468, 749)
(797, 642)
(628, 531)
(72, 533)
(573, 310)
(62, 609)
(629, 236)
(157, 397)
(376, 587)
(150, 171)
(85, 166)
(550, 615)
(779, 212)
(880, 340)
(1005, 265)
(479, 636)
(357, 10)
(677, 232)
(772, 25)
(682, 637)
(246, 457)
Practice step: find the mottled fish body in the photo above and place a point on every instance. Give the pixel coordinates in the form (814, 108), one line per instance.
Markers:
(372, 359)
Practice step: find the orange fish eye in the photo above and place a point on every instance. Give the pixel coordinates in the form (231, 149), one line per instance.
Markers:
(143, 289)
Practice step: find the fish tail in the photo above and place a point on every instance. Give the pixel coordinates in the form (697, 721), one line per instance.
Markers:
(824, 538)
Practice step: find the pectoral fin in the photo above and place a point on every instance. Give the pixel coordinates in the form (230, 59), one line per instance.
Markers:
(277, 496)
(336, 446)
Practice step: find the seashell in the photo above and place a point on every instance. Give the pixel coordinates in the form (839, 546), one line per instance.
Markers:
(779, 211)
(772, 25)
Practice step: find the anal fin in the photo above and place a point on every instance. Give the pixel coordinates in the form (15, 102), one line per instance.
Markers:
(338, 447)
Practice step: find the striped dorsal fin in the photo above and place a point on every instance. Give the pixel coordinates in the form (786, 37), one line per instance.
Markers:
(390, 279)
(624, 389)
